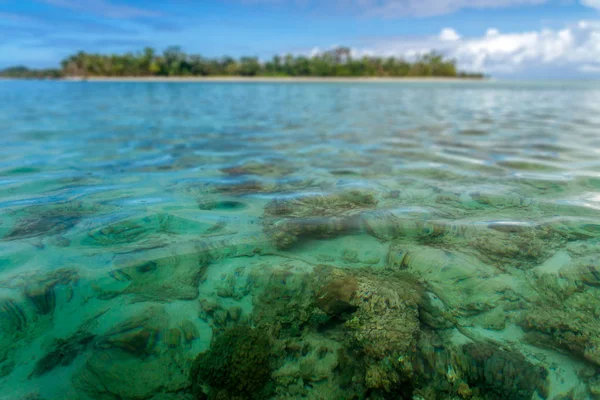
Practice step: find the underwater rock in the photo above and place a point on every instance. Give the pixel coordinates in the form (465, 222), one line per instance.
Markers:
(152, 231)
(397, 257)
(173, 338)
(40, 290)
(174, 396)
(373, 318)
(336, 296)
(594, 386)
(245, 186)
(137, 358)
(389, 224)
(481, 370)
(220, 205)
(586, 270)
(573, 331)
(63, 352)
(236, 366)
(42, 296)
(322, 205)
(385, 326)
(283, 299)
(522, 247)
(167, 278)
(43, 225)
(13, 315)
(312, 366)
(48, 220)
(189, 331)
(260, 168)
(6, 367)
(128, 231)
(235, 313)
(288, 220)
(501, 200)
(138, 336)
(114, 374)
(502, 374)
(451, 276)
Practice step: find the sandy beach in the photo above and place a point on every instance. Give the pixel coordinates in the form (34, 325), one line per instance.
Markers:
(265, 79)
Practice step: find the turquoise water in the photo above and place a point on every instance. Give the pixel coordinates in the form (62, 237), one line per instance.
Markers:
(299, 241)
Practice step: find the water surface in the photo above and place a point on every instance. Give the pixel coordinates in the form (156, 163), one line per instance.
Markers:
(288, 241)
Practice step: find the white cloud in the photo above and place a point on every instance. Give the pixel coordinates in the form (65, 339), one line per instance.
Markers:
(449, 35)
(574, 48)
(591, 3)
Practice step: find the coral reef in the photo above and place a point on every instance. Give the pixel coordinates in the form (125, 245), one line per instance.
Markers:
(288, 220)
(236, 366)
(556, 328)
(382, 321)
(502, 374)
(475, 370)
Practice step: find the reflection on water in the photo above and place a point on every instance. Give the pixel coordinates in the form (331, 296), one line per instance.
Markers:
(287, 241)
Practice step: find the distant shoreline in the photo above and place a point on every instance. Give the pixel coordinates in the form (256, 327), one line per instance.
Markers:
(267, 79)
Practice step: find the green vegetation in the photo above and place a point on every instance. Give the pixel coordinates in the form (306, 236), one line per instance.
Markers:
(174, 62)
(24, 72)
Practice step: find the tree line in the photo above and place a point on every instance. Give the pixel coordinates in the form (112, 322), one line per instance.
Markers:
(174, 62)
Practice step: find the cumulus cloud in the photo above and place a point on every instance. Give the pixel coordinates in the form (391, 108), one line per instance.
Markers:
(573, 48)
(449, 35)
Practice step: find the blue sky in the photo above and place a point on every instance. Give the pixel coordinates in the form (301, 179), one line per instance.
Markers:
(506, 37)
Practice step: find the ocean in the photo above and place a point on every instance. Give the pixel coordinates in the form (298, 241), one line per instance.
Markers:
(397, 240)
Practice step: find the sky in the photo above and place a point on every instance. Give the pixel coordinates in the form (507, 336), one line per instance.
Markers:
(505, 38)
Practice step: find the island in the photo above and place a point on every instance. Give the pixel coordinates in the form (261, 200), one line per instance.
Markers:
(173, 63)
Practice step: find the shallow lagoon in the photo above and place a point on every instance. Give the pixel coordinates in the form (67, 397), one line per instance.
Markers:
(287, 241)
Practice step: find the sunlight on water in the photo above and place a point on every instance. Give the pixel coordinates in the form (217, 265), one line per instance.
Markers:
(299, 241)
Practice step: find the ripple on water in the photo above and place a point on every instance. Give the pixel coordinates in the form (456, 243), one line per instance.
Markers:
(399, 240)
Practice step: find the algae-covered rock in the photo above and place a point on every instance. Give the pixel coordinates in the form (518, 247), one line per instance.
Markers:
(569, 330)
(46, 220)
(236, 366)
(381, 321)
(62, 353)
(137, 358)
(336, 296)
(476, 370)
(288, 220)
(40, 291)
(513, 244)
(166, 278)
(270, 169)
(116, 374)
(501, 374)
(283, 300)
